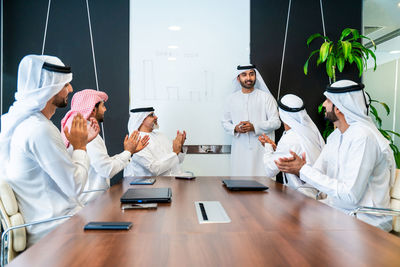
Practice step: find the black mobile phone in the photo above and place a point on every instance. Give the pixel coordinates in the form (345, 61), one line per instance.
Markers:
(185, 177)
(108, 226)
(138, 181)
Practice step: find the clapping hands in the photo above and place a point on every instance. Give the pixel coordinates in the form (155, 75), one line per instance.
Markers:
(134, 143)
(178, 142)
(265, 139)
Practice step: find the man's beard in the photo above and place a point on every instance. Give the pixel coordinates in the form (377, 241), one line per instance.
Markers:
(155, 126)
(246, 85)
(331, 116)
(99, 118)
(60, 102)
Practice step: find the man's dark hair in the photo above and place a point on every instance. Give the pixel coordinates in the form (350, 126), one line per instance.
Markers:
(97, 104)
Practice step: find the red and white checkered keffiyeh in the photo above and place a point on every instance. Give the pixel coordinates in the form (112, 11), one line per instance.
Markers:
(82, 102)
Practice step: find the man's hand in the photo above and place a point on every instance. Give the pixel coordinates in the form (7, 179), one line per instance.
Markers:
(238, 128)
(247, 126)
(143, 142)
(78, 135)
(265, 139)
(131, 142)
(93, 129)
(292, 164)
(178, 142)
(182, 136)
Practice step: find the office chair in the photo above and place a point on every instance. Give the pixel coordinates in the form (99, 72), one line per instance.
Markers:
(394, 205)
(13, 238)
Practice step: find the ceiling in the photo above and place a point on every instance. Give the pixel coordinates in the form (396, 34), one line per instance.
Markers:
(380, 19)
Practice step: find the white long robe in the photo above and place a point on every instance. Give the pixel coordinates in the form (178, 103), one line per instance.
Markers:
(260, 109)
(102, 167)
(45, 178)
(353, 172)
(288, 142)
(156, 159)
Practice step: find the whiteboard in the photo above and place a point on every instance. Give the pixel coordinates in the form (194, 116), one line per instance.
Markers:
(183, 56)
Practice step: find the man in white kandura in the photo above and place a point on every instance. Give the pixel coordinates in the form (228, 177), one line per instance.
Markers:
(301, 135)
(46, 179)
(250, 111)
(162, 157)
(91, 104)
(356, 167)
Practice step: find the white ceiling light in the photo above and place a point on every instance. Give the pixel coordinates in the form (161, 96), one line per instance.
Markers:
(395, 52)
(173, 47)
(172, 59)
(174, 28)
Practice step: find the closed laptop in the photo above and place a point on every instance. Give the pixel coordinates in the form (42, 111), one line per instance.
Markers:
(244, 185)
(147, 195)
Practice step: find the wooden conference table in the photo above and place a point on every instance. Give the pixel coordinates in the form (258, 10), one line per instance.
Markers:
(278, 227)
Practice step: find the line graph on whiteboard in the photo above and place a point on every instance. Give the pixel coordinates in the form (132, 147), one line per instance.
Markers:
(202, 90)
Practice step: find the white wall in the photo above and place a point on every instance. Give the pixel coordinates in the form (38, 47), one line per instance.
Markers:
(186, 72)
(383, 85)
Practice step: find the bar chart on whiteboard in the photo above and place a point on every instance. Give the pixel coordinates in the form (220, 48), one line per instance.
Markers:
(183, 60)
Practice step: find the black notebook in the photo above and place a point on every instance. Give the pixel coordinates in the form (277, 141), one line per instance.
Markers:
(244, 185)
(147, 195)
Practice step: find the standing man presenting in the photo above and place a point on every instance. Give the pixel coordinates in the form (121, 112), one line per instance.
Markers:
(250, 111)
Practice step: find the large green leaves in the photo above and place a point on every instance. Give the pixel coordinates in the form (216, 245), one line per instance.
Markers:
(346, 46)
(396, 134)
(374, 113)
(359, 63)
(340, 63)
(330, 66)
(305, 68)
(384, 105)
(324, 51)
(314, 36)
(347, 31)
(336, 54)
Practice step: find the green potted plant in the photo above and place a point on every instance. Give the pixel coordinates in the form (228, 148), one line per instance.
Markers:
(335, 55)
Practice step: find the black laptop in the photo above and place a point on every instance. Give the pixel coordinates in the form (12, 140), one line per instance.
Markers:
(147, 195)
(244, 185)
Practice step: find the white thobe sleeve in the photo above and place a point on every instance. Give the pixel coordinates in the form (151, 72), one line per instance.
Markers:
(181, 156)
(159, 166)
(70, 173)
(105, 165)
(226, 121)
(273, 122)
(351, 187)
(282, 150)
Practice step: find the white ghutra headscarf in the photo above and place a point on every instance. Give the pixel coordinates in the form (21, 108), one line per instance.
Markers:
(136, 118)
(260, 84)
(39, 79)
(293, 113)
(350, 98)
